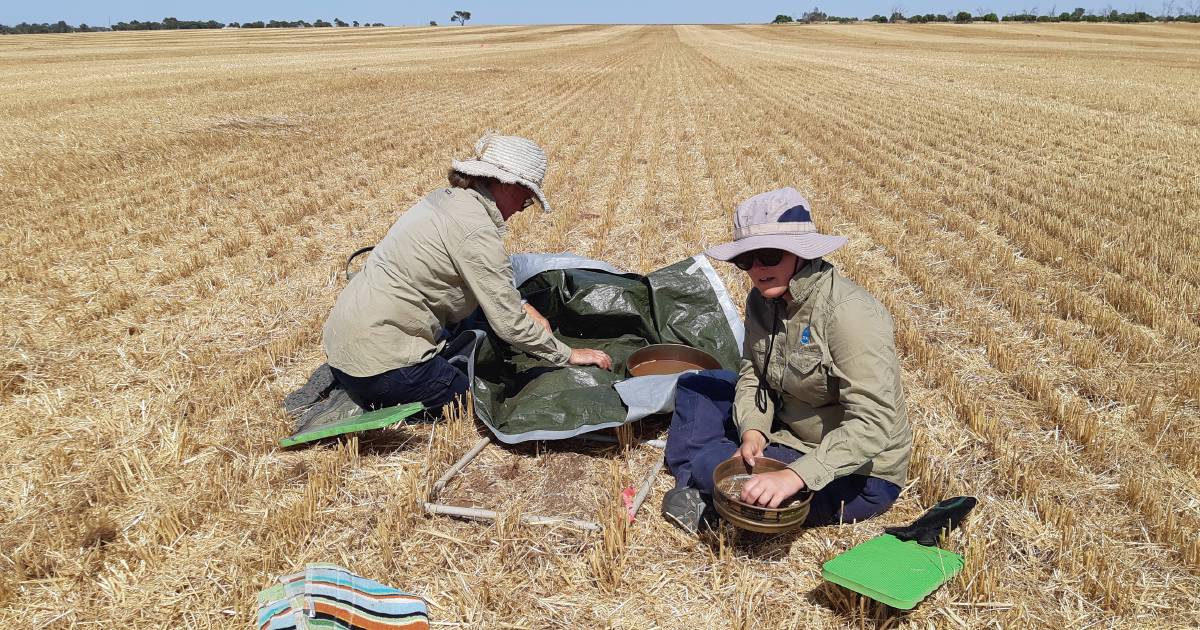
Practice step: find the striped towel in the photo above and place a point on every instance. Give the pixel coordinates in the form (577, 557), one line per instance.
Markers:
(326, 596)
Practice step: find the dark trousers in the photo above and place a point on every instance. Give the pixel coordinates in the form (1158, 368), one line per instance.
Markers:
(433, 383)
(702, 435)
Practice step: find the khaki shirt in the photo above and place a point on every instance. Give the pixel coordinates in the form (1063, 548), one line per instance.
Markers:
(437, 263)
(834, 379)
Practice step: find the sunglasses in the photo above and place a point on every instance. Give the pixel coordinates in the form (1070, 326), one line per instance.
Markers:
(767, 257)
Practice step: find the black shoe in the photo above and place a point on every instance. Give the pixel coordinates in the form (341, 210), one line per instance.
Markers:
(686, 509)
(332, 409)
(315, 389)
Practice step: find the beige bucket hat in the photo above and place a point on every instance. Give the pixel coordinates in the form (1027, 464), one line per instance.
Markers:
(510, 159)
(778, 219)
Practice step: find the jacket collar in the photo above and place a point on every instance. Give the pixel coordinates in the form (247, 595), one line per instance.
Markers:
(489, 204)
(810, 274)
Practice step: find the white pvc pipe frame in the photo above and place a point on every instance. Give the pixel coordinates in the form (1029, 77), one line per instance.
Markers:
(490, 515)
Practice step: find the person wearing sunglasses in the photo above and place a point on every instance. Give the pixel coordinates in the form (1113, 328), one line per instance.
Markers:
(818, 389)
(441, 261)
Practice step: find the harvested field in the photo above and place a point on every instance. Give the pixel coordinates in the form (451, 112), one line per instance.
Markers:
(176, 207)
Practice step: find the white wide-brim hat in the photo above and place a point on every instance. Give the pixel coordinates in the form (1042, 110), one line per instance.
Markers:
(510, 159)
(779, 219)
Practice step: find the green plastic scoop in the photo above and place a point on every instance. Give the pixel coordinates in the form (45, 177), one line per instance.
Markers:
(904, 565)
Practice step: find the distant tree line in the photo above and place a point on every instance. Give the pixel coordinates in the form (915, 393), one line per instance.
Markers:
(301, 24)
(168, 24)
(962, 17)
(25, 28)
(810, 17)
(1170, 14)
(1079, 15)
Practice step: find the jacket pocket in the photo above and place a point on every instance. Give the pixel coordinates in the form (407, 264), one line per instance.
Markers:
(806, 378)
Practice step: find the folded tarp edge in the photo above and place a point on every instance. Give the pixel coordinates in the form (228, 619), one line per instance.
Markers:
(726, 302)
(648, 395)
(526, 266)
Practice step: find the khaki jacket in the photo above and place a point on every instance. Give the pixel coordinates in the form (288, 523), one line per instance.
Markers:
(834, 379)
(437, 263)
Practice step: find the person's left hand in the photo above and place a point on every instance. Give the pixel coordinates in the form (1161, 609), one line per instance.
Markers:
(771, 489)
(537, 317)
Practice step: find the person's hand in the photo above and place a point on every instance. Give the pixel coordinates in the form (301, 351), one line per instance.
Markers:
(587, 356)
(537, 317)
(753, 443)
(771, 489)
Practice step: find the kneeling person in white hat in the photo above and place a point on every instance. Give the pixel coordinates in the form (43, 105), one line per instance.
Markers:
(819, 386)
(441, 260)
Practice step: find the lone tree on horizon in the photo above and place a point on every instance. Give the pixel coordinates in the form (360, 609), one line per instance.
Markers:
(461, 17)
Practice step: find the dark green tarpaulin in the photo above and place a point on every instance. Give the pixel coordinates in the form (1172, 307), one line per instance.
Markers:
(521, 398)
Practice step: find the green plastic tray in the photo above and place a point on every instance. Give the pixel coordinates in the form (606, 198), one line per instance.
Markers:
(377, 419)
(897, 573)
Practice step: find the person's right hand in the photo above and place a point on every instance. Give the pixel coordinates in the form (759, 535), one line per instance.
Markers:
(753, 443)
(587, 356)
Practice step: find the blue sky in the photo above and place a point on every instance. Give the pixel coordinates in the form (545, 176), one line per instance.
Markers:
(100, 12)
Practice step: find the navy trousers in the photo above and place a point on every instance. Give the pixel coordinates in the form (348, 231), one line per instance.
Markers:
(433, 383)
(702, 435)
